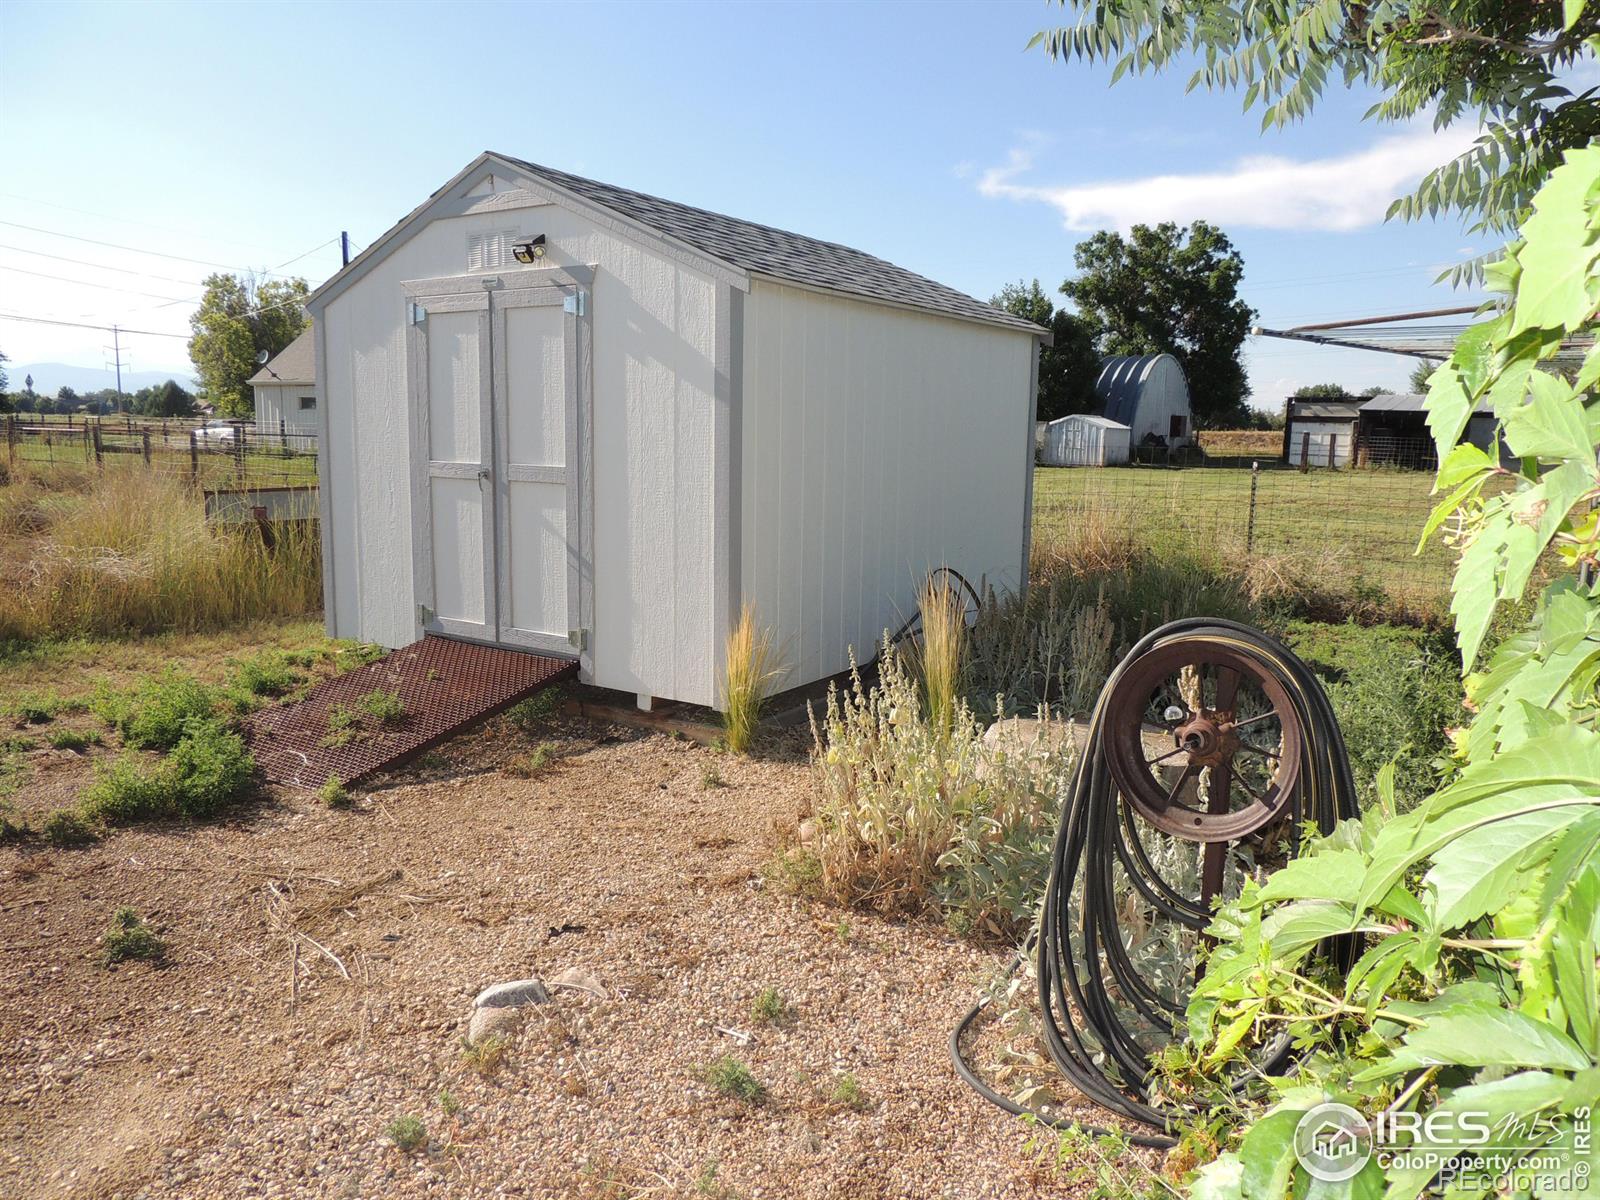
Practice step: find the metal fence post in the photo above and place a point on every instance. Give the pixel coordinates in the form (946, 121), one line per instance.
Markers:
(283, 435)
(238, 450)
(1250, 526)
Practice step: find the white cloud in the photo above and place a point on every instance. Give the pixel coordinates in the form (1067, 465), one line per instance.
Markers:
(1345, 192)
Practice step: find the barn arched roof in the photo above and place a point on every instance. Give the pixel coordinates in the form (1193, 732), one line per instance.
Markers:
(1123, 377)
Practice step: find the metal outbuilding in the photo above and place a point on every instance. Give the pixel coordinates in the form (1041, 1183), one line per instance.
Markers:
(573, 418)
(1084, 440)
(1149, 394)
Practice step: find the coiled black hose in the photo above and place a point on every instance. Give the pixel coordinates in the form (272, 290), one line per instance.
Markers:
(1091, 1035)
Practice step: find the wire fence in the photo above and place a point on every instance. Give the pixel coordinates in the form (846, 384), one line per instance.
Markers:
(1307, 529)
(207, 455)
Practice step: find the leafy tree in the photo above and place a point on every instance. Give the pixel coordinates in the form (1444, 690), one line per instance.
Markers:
(1418, 383)
(1499, 67)
(237, 319)
(1321, 391)
(1166, 290)
(1068, 369)
(67, 399)
(165, 400)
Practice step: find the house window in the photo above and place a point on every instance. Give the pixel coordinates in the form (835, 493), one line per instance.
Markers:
(490, 251)
(1176, 428)
(308, 404)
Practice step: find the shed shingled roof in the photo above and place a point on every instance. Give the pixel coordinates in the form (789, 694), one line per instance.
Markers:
(295, 363)
(779, 254)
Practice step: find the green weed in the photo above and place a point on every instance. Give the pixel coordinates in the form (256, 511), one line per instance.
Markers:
(129, 938)
(847, 1093)
(407, 1132)
(525, 766)
(68, 827)
(332, 793)
(770, 1008)
(152, 716)
(72, 739)
(731, 1077)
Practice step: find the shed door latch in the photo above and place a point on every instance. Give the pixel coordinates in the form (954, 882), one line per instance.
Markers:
(577, 303)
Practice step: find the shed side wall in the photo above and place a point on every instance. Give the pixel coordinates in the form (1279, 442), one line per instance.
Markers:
(653, 487)
(877, 444)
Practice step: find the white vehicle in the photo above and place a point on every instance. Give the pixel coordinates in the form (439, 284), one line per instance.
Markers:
(217, 431)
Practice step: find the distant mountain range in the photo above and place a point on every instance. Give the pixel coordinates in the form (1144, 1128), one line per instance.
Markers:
(49, 378)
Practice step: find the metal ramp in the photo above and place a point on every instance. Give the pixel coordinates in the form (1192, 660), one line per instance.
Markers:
(443, 686)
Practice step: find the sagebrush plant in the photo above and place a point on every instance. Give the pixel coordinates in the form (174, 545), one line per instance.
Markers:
(911, 817)
(132, 552)
(1477, 914)
(749, 676)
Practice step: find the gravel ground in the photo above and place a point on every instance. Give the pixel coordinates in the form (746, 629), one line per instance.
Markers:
(321, 965)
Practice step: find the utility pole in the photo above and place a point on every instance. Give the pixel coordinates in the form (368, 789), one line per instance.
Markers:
(116, 358)
(344, 247)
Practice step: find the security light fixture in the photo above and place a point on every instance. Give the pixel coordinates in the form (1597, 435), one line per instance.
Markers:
(530, 251)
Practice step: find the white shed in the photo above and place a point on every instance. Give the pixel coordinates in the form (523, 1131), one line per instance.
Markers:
(286, 390)
(565, 416)
(1083, 440)
(1149, 394)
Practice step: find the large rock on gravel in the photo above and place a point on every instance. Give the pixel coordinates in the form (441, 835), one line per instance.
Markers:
(492, 1022)
(511, 994)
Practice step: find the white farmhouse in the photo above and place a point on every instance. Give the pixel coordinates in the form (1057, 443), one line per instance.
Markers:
(286, 391)
(568, 417)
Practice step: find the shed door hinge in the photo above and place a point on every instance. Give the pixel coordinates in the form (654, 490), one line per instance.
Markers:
(578, 638)
(577, 303)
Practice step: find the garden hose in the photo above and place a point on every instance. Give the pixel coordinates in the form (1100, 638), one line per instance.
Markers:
(1102, 1021)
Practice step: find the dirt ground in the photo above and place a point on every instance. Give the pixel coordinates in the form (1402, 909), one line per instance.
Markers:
(320, 966)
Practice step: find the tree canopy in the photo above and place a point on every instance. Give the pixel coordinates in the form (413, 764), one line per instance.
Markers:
(169, 399)
(1497, 66)
(237, 319)
(1069, 368)
(1166, 290)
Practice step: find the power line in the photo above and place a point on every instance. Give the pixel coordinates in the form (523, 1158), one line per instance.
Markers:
(85, 262)
(203, 262)
(122, 220)
(86, 325)
(105, 287)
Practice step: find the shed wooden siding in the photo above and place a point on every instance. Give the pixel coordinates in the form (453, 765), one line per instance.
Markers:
(877, 444)
(654, 323)
(281, 402)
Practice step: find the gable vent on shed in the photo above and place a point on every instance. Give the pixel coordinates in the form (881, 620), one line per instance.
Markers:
(490, 251)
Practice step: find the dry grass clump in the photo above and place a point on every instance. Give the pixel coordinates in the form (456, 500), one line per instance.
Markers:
(940, 650)
(131, 552)
(1097, 543)
(749, 675)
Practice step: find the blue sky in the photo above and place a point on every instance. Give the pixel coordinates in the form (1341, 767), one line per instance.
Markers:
(247, 135)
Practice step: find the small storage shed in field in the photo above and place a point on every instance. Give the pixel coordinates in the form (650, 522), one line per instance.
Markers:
(1149, 395)
(1082, 440)
(568, 417)
(286, 390)
(1320, 433)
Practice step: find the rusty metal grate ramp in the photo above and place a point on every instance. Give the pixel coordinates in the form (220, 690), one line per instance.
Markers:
(442, 684)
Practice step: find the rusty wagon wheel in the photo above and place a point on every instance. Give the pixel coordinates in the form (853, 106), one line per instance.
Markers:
(1203, 742)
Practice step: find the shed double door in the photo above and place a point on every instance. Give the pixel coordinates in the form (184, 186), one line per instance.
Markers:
(496, 496)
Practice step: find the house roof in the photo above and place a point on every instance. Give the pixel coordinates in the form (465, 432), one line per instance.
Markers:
(750, 248)
(1410, 403)
(1089, 419)
(1325, 410)
(295, 363)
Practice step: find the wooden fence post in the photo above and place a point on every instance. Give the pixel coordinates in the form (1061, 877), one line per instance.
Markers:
(144, 438)
(194, 459)
(88, 443)
(1305, 453)
(99, 448)
(11, 439)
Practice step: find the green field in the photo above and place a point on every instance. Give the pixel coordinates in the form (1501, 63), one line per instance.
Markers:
(1350, 531)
